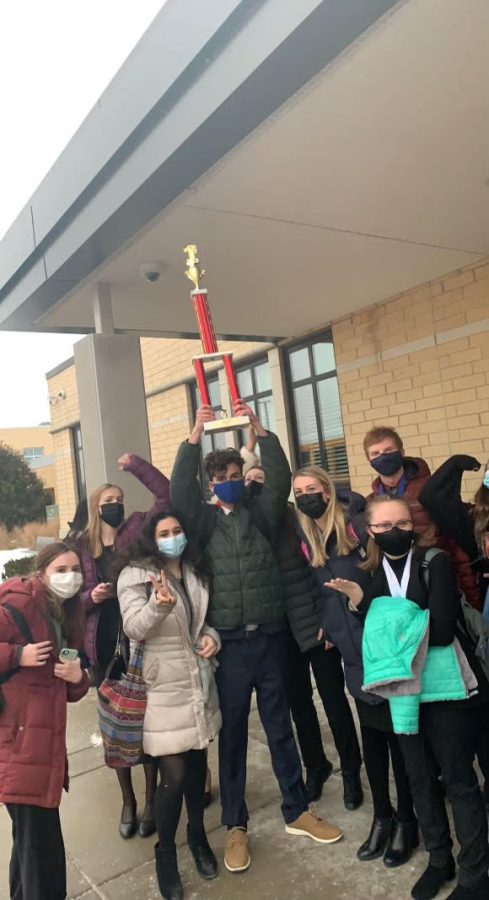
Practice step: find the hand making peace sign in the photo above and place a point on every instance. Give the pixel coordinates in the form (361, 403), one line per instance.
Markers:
(163, 595)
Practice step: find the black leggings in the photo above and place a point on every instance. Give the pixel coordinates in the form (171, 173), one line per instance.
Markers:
(181, 775)
(377, 746)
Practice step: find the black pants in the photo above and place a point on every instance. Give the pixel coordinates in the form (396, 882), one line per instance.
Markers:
(446, 741)
(37, 864)
(378, 746)
(181, 775)
(330, 682)
(256, 662)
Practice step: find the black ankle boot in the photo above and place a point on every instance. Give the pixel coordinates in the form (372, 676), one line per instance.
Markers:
(315, 779)
(432, 881)
(377, 840)
(167, 874)
(205, 861)
(352, 790)
(403, 840)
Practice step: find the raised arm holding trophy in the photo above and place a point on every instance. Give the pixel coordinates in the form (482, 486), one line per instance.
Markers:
(211, 352)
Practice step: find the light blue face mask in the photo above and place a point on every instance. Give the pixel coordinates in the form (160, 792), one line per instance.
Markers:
(172, 546)
(485, 480)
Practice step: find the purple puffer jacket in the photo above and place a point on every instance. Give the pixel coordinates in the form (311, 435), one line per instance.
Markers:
(159, 485)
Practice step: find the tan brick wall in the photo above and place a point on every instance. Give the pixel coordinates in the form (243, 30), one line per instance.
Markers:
(166, 360)
(65, 478)
(64, 411)
(419, 362)
(168, 420)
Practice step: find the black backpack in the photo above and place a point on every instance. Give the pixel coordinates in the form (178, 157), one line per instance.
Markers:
(26, 633)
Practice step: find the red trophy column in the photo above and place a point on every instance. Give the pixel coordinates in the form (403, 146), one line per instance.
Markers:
(209, 345)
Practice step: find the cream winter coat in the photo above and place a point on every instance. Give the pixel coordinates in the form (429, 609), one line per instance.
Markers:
(182, 711)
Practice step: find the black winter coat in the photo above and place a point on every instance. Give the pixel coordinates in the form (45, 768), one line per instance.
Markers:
(303, 596)
(343, 628)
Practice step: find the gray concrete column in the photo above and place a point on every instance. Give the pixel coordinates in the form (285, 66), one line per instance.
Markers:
(113, 414)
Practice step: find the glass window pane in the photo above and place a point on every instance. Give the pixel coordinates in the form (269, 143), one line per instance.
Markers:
(299, 364)
(245, 383)
(214, 392)
(266, 413)
(307, 431)
(323, 355)
(262, 378)
(334, 448)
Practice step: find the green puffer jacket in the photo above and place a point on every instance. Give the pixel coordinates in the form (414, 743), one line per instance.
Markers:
(246, 586)
(399, 665)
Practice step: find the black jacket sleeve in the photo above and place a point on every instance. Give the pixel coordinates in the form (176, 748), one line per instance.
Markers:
(441, 497)
(443, 600)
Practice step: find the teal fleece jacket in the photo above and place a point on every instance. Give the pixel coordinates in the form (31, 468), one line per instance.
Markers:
(399, 665)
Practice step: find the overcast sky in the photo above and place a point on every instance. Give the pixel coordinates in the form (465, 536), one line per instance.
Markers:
(56, 58)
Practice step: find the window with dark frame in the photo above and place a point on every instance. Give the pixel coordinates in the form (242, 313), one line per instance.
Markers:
(209, 441)
(77, 446)
(255, 388)
(315, 402)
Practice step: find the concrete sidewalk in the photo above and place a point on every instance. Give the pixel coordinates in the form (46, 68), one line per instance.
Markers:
(101, 865)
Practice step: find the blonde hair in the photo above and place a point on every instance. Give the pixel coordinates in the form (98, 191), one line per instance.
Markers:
(374, 553)
(93, 531)
(334, 519)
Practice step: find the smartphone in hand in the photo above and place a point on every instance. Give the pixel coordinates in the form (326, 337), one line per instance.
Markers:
(67, 655)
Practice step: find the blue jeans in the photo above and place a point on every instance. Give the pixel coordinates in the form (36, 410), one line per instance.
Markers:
(256, 662)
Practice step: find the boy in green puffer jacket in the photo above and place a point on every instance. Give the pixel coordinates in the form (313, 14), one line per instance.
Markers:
(246, 607)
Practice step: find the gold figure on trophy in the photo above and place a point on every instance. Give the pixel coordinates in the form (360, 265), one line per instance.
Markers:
(193, 270)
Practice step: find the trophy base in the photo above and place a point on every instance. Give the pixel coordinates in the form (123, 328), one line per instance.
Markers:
(233, 423)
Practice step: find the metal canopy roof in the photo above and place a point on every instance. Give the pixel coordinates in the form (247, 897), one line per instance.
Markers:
(323, 155)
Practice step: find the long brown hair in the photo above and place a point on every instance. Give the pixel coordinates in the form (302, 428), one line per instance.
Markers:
(70, 612)
(374, 553)
(93, 531)
(480, 513)
(335, 520)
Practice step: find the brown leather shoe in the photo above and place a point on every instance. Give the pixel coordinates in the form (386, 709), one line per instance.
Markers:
(310, 825)
(236, 853)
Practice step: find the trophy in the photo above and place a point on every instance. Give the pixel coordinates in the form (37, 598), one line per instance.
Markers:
(211, 352)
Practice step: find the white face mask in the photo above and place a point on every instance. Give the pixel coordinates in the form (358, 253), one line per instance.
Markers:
(65, 584)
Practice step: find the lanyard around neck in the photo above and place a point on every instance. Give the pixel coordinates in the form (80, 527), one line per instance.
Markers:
(398, 588)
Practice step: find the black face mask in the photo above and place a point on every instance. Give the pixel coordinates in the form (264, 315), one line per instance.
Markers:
(312, 505)
(395, 542)
(254, 488)
(112, 514)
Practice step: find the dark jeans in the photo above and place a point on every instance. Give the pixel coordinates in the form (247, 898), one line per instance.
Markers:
(182, 775)
(446, 741)
(330, 682)
(256, 662)
(37, 864)
(378, 746)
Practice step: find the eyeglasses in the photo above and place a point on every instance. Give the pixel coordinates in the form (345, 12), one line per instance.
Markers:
(383, 527)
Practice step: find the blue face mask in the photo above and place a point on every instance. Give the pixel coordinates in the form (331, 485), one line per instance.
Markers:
(485, 480)
(172, 546)
(229, 491)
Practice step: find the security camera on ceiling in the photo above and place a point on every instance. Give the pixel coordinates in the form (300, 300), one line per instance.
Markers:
(151, 271)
